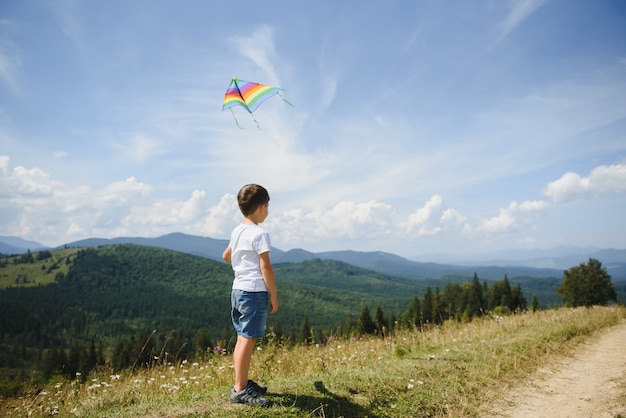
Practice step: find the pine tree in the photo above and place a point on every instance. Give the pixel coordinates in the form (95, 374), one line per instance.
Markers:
(305, 331)
(427, 306)
(534, 303)
(366, 324)
(379, 321)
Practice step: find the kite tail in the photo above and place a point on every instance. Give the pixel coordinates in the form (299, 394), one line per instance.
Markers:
(234, 117)
(285, 100)
(257, 123)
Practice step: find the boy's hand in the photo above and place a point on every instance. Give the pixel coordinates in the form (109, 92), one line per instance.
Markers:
(274, 303)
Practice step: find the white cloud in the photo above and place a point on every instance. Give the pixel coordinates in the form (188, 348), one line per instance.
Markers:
(528, 205)
(504, 222)
(21, 182)
(432, 218)
(345, 221)
(602, 180)
(507, 219)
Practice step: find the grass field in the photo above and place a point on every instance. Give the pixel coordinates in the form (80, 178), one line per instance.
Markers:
(452, 370)
(38, 272)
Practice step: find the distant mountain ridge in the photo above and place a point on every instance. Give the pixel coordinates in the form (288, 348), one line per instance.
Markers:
(551, 265)
(17, 245)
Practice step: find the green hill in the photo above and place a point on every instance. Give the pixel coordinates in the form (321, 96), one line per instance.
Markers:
(129, 303)
(120, 294)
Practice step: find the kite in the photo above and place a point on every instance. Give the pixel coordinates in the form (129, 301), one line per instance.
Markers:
(249, 96)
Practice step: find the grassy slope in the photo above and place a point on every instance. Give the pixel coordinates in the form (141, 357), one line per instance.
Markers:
(36, 273)
(453, 370)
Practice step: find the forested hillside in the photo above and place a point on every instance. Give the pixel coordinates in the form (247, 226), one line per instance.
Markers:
(66, 311)
(111, 300)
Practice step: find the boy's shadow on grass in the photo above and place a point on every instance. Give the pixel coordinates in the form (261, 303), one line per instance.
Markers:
(329, 404)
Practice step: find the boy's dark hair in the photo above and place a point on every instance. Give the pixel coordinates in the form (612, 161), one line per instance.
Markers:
(250, 197)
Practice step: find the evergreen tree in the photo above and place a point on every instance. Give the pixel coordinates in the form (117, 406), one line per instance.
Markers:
(534, 303)
(413, 317)
(450, 300)
(437, 308)
(518, 301)
(90, 359)
(473, 298)
(500, 294)
(366, 324)
(427, 306)
(391, 323)
(305, 331)
(379, 320)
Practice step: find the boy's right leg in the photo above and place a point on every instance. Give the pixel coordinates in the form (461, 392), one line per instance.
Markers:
(242, 357)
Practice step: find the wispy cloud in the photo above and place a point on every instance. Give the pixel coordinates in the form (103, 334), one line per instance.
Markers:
(67, 13)
(519, 11)
(259, 48)
(140, 148)
(10, 57)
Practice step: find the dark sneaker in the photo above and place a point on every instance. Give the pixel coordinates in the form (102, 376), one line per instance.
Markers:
(258, 388)
(247, 396)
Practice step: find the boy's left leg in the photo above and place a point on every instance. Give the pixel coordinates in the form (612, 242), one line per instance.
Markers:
(242, 357)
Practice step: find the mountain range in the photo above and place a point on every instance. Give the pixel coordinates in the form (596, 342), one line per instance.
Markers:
(531, 264)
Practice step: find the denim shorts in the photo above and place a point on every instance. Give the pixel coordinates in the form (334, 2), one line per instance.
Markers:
(249, 312)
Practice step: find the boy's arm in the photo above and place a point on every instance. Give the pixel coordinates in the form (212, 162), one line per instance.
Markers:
(268, 278)
(227, 254)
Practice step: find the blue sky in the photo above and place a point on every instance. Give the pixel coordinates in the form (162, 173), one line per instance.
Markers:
(421, 127)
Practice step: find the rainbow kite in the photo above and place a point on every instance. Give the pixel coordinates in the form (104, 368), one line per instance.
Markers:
(249, 96)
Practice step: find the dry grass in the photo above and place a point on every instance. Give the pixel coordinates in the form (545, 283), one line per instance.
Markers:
(450, 370)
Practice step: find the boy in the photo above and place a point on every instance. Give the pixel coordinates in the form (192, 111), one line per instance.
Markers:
(253, 288)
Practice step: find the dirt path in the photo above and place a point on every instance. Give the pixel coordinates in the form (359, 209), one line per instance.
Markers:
(591, 383)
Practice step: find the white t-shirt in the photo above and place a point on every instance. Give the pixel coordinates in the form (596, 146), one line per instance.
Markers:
(247, 242)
